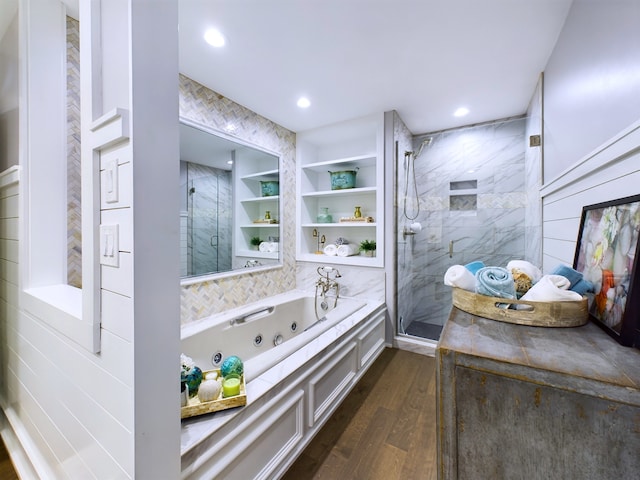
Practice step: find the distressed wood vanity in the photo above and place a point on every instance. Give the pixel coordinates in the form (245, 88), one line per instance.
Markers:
(517, 402)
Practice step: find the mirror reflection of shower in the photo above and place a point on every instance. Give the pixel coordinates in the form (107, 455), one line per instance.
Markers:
(411, 203)
(209, 220)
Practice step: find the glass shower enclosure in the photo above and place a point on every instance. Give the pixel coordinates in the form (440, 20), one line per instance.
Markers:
(461, 199)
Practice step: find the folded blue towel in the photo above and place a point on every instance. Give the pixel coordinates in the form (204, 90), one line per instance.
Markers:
(495, 282)
(473, 267)
(583, 286)
(578, 284)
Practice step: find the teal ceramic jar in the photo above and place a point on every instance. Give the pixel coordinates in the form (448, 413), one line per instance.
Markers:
(343, 180)
(270, 188)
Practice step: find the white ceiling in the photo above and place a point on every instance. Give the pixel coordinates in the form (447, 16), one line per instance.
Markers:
(423, 58)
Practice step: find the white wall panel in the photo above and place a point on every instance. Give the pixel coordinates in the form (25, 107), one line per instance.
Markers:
(125, 183)
(117, 315)
(119, 279)
(9, 250)
(123, 218)
(591, 82)
(611, 172)
(565, 229)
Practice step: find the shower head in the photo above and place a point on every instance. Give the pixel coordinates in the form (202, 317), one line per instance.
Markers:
(425, 143)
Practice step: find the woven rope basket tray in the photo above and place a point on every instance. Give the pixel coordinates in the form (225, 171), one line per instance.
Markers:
(537, 314)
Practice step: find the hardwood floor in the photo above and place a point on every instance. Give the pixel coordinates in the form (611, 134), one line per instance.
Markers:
(7, 471)
(385, 428)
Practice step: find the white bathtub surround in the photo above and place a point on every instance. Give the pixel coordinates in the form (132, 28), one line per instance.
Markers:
(288, 401)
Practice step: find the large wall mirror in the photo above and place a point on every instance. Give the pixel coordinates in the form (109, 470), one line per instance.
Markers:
(230, 208)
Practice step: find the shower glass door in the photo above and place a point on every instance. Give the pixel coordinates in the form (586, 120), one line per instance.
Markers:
(470, 186)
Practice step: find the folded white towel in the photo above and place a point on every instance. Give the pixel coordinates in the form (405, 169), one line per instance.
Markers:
(348, 250)
(273, 247)
(263, 247)
(551, 288)
(527, 268)
(459, 276)
(331, 250)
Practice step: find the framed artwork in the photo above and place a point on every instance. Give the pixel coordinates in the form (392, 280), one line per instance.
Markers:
(607, 255)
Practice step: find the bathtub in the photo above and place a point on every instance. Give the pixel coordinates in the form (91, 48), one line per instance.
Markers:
(298, 370)
(270, 329)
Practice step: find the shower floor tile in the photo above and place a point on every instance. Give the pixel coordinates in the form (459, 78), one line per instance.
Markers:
(424, 330)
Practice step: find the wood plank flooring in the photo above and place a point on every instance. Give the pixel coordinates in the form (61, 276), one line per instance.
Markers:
(7, 471)
(385, 428)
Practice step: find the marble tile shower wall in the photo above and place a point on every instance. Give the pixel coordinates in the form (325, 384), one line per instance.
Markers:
(533, 182)
(494, 231)
(202, 105)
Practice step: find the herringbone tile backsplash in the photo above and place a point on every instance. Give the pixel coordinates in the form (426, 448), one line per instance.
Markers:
(74, 228)
(202, 105)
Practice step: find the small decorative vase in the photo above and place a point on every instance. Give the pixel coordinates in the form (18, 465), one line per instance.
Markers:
(192, 378)
(324, 216)
(267, 215)
(357, 213)
(369, 253)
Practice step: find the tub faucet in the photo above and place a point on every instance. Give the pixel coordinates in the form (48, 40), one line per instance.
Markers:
(327, 281)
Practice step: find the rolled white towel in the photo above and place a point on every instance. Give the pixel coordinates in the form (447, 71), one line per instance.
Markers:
(551, 288)
(273, 247)
(348, 250)
(263, 247)
(459, 276)
(527, 268)
(331, 250)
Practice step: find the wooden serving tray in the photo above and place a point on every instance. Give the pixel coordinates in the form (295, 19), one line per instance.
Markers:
(539, 314)
(269, 221)
(196, 407)
(356, 219)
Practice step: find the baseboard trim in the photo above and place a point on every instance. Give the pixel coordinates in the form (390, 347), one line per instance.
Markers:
(15, 439)
(423, 346)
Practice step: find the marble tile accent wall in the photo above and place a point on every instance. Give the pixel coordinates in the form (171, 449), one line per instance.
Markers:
(361, 282)
(494, 231)
(533, 179)
(202, 105)
(74, 227)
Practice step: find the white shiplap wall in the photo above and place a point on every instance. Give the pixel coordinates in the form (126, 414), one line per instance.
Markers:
(610, 172)
(59, 399)
(71, 413)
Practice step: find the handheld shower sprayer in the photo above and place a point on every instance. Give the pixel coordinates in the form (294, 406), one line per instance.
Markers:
(410, 170)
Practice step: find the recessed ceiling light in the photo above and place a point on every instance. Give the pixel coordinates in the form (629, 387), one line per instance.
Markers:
(461, 112)
(214, 38)
(229, 162)
(303, 102)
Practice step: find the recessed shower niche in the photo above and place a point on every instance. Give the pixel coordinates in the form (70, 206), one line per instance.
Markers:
(465, 198)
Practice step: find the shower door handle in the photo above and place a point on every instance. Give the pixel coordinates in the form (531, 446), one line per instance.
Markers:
(451, 249)
(211, 241)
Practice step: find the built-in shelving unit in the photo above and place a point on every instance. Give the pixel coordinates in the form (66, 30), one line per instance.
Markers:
(251, 207)
(349, 146)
